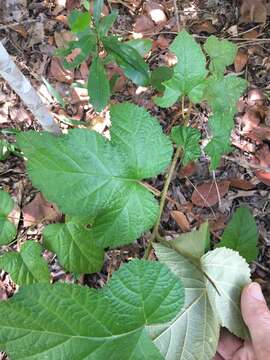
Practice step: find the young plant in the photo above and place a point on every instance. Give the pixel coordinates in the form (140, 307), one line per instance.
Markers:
(92, 41)
(192, 79)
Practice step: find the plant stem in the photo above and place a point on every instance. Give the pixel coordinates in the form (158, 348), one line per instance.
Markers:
(162, 201)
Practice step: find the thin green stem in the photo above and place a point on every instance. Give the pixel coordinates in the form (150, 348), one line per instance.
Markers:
(162, 201)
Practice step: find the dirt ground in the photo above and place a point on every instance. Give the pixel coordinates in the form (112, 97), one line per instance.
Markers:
(31, 31)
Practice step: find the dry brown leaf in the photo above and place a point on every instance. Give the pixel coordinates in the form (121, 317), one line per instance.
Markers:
(181, 220)
(255, 97)
(250, 120)
(205, 26)
(206, 194)
(36, 34)
(156, 12)
(252, 34)
(61, 38)
(161, 43)
(219, 224)
(20, 29)
(240, 60)
(241, 184)
(58, 72)
(38, 210)
(188, 170)
(143, 24)
(253, 11)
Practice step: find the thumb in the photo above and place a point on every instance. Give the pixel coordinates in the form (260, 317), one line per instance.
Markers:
(257, 318)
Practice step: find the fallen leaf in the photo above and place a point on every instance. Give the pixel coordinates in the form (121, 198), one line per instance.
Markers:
(161, 42)
(206, 194)
(205, 26)
(263, 157)
(58, 72)
(240, 60)
(253, 11)
(241, 184)
(20, 29)
(217, 224)
(255, 97)
(181, 220)
(156, 12)
(143, 24)
(252, 34)
(36, 34)
(38, 210)
(250, 120)
(61, 38)
(188, 170)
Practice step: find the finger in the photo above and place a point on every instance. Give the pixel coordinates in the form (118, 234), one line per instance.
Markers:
(228, 344)
(245, 353)
(257, 317)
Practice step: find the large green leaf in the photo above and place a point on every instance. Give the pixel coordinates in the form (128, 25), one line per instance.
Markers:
(71, 322)
(7, 229)
(27, 266)
(189, 139)
(227, 274)
(194, 332)
(86, 175)
(241, 234)
(98, 85)
(132, 64)
(75, 247)
(79, 21)
(189, 72)
(221, 52)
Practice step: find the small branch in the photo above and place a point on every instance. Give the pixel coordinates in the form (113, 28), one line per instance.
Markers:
(176, 15)
(162, 201)
(17, 81)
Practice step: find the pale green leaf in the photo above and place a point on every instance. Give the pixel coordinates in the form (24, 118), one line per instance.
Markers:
(98, 85)
(4, 149)
(189, 72)
(226, 275)
(79, 21)
(130, 61)
(72, 322)
(87, 175)
(194, 332)
(221, 125)
(222, 53)
(159, 75)
(223, 94)
(241, 234)
(142, 46)
(74, 246)
(192, 244)
(188, 138)
(7, 229)
(27, 266)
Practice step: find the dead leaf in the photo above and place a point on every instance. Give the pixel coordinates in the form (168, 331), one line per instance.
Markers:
(252, 34)
(188, 170)
(255, 97)
(263, 157)
(205, 26)
(39, 210)
(61, 38)
(241, 184)
(250, 120)
(143, 24)
(58, 72)
(206, 194)
(156, 12)
(36, 34)
(253, 11)
(181, 220)
(219, 224)
(20, 29)
(240, 60)
(161, 42)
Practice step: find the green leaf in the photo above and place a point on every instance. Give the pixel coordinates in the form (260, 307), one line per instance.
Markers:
(221, 52)
(159, 75)
(82, 323)
(98, 6)
(98, 85)
(54, 93)
(226, 275)
(188, 138)
(221, 125)
(87, 43)
(79, 21)
(223, 94)
(130, 61)
(106, 23)
(142, 46)
(189, 72)
(86, 5)
(241, 234)
(27, 266)
(7, 229)
(86, 175)
(74, 246)
(193, 244)
(194, 332)
(4, 149)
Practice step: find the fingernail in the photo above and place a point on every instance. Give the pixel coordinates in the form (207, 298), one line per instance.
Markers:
(255, 291)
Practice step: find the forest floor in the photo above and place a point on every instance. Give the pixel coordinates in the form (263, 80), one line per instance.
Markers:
(31, 31)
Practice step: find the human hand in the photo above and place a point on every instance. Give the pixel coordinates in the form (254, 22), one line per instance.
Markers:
(257, 318)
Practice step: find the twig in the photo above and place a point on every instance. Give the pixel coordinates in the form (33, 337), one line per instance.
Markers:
(176, 15)
(245, 164)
